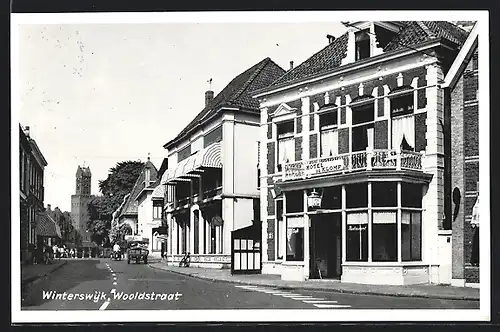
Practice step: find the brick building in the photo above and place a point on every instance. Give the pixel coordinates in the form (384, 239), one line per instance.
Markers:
(355, 168)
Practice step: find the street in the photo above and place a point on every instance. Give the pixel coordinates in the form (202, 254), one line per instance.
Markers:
(115, 285)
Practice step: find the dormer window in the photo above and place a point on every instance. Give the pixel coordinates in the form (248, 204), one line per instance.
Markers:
(362, 44)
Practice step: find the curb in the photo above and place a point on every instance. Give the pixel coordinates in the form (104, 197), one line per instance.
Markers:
(319, 288)
(30, 280)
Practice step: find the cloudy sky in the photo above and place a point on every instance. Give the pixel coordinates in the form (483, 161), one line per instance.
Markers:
(97, 94)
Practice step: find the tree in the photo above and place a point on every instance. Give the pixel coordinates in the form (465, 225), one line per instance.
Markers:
(120, 181)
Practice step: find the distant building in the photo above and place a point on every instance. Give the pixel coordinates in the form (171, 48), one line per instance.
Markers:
(80, 201)
(37, 228)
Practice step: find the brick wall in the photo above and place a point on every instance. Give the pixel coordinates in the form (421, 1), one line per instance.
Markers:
(298, 148)
(380, 129)
(271, 151)
(271, 225)
(313, 146)
(464, 173)
(343, 138)
(420, 131)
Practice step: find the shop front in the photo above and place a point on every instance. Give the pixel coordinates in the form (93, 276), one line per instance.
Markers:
(363, 228)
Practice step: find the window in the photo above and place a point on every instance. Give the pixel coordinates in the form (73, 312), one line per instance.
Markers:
(384, 236)
(357, 195)
(384, 194)
(136, 228)
(362, 129)
(184, 153)
(411, 195)
(286, 143)
(362, 44)
(157, 211)
(357, 236)
(295, 201)
(411, 235)
(147, 177)
(280, 232)
(329, 134)
(295, 239)
(196, 231)
(332, 198)
(212, 137)
(403, 122)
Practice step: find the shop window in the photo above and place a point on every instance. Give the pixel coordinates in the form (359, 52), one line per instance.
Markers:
(384, 237)
(286, 143)
(357, 195)
(280, 232)
(357, 236)
(328, 134)
(362, 40)
(363, 124)
(411, 235)
(295, 239)
(411, 195)
(403, 122)
(384, 194)
(332, 198)
(184, 235)
(295, 201)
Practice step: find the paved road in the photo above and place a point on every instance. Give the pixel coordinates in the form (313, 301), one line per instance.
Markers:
(108, 285)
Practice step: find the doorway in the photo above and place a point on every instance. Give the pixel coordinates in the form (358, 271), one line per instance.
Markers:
(325, 246)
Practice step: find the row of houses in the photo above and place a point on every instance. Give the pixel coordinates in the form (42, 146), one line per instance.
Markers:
(359, 164)
(37, 228)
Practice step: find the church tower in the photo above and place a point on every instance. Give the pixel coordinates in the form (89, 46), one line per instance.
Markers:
(80, 201)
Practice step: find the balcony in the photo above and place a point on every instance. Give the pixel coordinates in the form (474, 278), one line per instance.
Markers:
(353, 162)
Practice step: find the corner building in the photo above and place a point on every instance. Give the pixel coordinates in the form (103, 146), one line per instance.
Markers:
(353, 158)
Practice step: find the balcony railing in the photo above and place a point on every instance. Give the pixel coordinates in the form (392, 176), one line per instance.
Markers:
(352, 162)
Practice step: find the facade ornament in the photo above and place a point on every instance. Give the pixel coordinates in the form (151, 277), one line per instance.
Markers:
(400, 80)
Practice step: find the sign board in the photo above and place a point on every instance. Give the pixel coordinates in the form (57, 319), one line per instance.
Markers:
(326, 165)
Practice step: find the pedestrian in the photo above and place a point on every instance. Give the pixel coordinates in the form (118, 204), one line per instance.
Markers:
(55, 250)
(72, 253)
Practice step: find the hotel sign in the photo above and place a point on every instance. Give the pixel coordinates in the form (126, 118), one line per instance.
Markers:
(324, 165)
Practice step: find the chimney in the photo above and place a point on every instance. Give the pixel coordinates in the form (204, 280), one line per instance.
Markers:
(27, 131)
(330, 38)
(291, 65)
(209, 95)
(48, 207)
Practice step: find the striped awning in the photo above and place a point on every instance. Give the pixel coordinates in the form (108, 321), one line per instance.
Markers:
(208, 157)
(475, 214)
(46, 226)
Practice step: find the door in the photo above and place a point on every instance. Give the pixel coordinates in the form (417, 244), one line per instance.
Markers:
(246, 251)
(325, 247)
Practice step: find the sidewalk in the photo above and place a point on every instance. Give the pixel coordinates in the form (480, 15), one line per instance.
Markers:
(30, 273)
(424, 291)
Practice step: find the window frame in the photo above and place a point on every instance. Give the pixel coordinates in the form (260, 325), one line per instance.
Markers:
(287, 135)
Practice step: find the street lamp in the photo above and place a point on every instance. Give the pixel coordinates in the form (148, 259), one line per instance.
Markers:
(314, 199)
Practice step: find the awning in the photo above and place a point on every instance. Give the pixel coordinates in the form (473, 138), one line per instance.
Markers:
(46, 226)
(208, 157)
(475, 214)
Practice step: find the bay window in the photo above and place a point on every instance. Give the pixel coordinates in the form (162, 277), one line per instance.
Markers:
(357, 222)
(403, 122)
(411, 235)
(362, 127)
(286, 143)
(329, 134)
(280, 234)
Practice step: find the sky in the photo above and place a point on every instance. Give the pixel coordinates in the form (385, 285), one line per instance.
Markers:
(96, 94)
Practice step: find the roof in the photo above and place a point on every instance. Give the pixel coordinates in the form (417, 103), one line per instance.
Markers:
(236, 94)
(130, 207)
(421, 31)
(411, 34)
